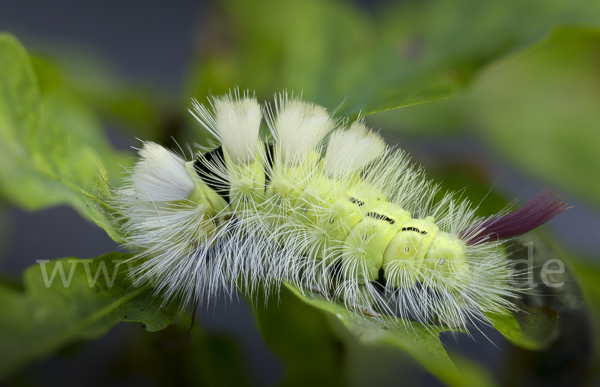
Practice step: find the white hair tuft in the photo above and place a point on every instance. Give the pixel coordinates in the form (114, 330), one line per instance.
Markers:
(300, 128)
(160, 175)
(238, 122)
(235, 122)
(353, 149)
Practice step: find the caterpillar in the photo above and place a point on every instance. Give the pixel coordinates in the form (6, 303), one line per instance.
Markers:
(323, 205)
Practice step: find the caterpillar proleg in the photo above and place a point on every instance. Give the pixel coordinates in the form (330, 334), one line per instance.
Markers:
(323, 205)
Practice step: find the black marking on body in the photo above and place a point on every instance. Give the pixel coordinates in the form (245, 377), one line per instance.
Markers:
(414, 229)
(337, 270)
(201, 165)
(270, 156)
(359, 203)
(380, 283)
(376, 215)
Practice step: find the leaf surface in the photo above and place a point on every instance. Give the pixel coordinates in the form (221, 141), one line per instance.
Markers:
(71, 299)
(359, 61)
(317, 339)
(51, 147)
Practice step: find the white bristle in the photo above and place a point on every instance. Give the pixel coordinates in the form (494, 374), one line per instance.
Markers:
(300, 128)
(351, 150)
(160, 175)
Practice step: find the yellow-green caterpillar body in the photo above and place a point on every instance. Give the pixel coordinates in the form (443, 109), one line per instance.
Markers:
(333, 211)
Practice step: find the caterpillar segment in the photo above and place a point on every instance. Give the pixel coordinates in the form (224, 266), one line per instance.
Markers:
(353, 221)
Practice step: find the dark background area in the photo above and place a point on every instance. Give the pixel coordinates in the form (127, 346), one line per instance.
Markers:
(150, 42)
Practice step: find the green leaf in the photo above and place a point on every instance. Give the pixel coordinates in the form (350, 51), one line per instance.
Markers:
(540, 111)
(587, 272)
(180, 355)
(134, 107)
(221, 363)
(352, 60)
(473, 373)
(98, 204)
(71, 299)
(314, 336)
(51, 148)
(431, 49)
(438, 120)
(532, 327)
(302, 337)
(567, 356)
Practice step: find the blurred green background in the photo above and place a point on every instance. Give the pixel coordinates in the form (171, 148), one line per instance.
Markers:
(499, 98)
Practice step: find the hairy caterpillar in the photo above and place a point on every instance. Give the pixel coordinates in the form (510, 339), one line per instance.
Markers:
(333, 211)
